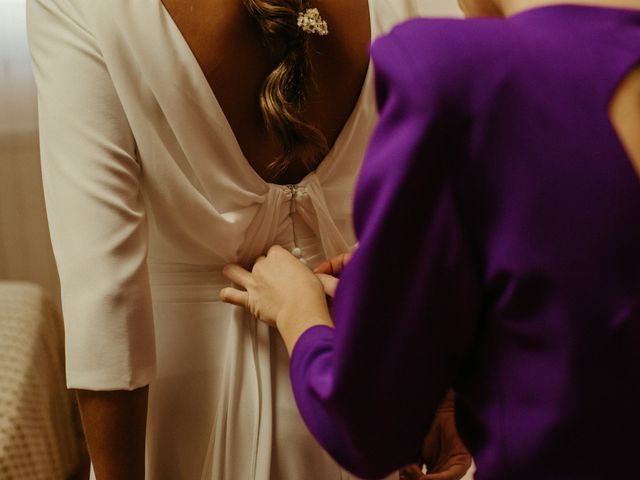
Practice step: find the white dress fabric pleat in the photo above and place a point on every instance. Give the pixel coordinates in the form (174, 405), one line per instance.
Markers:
(148, 196)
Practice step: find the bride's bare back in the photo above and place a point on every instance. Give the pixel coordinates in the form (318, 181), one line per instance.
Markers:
(228, 44)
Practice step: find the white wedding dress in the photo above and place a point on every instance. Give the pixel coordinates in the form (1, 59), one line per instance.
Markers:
(148, 196)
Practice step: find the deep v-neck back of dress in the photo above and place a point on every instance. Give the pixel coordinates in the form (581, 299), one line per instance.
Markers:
(230, 50)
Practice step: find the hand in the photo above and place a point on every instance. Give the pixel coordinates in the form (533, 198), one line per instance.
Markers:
(412, 472)
(334, 266)
(329, 284)
(443, 452)
(329, 270)
(280, 290)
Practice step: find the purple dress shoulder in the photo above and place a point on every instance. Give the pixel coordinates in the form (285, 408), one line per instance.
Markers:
(498, 216)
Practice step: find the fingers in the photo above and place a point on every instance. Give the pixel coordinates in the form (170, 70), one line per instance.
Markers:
(432, 445)
(237, 275)
(411, 472)
(443, 451)
(334, 265)
(241, 277)
(455, 470)
(235, 297)
(324, 268)
(260, 259)
(329, 283)
(346, 258)
(277, 250)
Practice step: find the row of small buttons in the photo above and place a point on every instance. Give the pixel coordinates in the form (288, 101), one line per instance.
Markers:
(295, 251)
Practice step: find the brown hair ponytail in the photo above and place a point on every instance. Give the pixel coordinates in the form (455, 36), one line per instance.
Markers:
(284, 92)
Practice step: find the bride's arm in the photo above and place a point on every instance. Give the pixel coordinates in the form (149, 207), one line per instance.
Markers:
(114, 424)
(98, 230)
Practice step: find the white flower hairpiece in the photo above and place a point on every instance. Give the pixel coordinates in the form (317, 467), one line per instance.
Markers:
(310, 21)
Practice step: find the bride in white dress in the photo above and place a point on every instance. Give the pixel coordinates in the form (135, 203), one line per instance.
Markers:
(158, 171)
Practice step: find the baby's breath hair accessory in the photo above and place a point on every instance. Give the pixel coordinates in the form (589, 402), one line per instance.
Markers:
(310, 21)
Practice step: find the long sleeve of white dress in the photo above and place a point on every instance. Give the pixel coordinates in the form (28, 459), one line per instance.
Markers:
(95, 209)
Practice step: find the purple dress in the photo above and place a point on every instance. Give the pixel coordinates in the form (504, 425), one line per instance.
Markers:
(499, 224)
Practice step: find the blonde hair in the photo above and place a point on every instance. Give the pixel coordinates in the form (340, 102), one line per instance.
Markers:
(284, 92)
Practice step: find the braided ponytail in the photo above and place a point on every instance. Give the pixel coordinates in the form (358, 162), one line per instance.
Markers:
(284, 92)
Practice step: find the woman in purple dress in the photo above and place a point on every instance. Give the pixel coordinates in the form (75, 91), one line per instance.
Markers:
(498, 214)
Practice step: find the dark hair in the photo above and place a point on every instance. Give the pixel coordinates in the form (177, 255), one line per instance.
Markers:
(284, 92)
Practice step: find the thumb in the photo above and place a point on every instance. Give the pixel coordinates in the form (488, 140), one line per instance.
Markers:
(329, 283)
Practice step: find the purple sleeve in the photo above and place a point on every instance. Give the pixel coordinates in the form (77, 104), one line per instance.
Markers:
(407, 303)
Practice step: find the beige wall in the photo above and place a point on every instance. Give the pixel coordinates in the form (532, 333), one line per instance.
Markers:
(25, 251)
